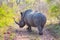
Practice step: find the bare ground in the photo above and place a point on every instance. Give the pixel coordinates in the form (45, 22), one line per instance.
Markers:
(22, 34)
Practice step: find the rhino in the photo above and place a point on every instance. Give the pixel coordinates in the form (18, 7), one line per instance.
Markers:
(32, 18)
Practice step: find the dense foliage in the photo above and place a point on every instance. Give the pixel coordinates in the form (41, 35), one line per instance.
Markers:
(54, 9)
(6, 14)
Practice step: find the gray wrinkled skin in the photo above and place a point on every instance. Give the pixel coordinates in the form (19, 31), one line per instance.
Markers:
(33, 19)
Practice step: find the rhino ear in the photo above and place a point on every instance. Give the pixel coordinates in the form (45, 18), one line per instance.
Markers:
(21, 13)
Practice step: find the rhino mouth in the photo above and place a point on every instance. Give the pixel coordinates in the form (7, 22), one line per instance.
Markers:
(21, 26)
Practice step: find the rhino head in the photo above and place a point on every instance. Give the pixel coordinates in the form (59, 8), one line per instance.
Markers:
(21, 23)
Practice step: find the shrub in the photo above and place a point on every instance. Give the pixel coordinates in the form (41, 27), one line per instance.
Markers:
(6, 15)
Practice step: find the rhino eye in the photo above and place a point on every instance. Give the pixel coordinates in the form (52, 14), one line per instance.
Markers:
(22, 22)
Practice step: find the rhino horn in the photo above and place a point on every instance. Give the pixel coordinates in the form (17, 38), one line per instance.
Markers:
(15, 21)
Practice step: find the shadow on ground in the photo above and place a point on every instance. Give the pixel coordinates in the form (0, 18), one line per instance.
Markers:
(54, 30)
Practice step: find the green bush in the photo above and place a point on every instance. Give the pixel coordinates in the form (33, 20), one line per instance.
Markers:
(48, 1)
(29, 1)
(54, 10)
(6, 15)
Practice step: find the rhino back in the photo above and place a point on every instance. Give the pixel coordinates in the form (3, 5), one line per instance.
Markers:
(28, 19)
(39, 19)
(34, 18)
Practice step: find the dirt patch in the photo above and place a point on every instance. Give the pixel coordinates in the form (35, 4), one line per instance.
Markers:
(24, 35)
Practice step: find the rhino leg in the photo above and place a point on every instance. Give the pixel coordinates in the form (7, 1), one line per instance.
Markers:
(29, 28)
(40, 28)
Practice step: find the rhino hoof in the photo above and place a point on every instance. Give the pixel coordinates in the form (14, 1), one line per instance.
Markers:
(29, 30)
(40, 33)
